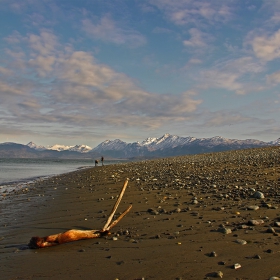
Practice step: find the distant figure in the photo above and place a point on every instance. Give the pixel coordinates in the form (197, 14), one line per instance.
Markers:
(102, 159)
(96, 162)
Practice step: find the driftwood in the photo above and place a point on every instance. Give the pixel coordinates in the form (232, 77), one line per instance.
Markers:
(74, 234)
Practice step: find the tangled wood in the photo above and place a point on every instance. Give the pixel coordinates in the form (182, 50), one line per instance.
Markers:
(74, 234)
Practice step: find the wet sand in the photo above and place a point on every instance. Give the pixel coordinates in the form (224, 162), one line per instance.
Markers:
(187, 217)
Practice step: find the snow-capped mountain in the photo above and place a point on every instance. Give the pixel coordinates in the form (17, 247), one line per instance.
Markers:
(276, 142)
(76, 148)
(166, 145)
(166, 141)
(80, 148)
(36, 147)
(169, 145)
(111, 145)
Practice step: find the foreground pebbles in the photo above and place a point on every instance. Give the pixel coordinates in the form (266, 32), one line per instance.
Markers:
(193, 217)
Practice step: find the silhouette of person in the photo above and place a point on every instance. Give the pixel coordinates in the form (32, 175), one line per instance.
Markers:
(96, 162)
(102, 160)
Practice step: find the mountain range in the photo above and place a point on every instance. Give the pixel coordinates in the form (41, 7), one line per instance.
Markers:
(167, 145)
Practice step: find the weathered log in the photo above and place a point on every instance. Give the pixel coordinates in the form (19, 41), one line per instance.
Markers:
(75, 234)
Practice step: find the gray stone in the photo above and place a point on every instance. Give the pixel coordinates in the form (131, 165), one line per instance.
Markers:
(224, 230)
(258, 195)
(236, 266)
(218, 274)
(213, 254)
(258, 257)
(255, 222)
(243, 227)
(277, 224)
(240, 241)
(253, 207)
(153, 211)
(270, 230)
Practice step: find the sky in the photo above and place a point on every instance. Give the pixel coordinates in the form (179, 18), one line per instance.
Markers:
(84, 71)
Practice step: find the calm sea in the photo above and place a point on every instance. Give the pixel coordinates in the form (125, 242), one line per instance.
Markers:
(15, 172)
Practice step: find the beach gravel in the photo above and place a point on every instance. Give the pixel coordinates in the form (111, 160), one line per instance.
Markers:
(184, 210)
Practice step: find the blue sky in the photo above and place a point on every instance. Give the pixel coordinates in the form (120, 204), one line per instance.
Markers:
(83, 71)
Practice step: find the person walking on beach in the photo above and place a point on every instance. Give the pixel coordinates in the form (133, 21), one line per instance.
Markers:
(102, 159)
(96, 162)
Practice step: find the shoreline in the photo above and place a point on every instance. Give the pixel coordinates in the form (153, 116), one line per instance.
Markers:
(8, 187)
(184, 209)
(21, 170)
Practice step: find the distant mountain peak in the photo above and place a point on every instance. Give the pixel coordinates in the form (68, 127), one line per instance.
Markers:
(35, 146)
(170, 145)
(60, 148)
(166, 145)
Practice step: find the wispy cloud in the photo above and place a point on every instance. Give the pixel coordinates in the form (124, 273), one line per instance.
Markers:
(273, 78)
(228, 118)
(107, 30)
(265, 46)
(228, 75)
(44, 44)
(95, 66)
(198, 39)
(75, 89)
(183, 12)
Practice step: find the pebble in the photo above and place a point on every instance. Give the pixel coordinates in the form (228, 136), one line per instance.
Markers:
(224, 230)
(258, 195)
(277, 224)
(270, 230)
(153, 211)
(213, 254)
(240, 241)
(274, 278)
(243, 227)
(253, 207)
(236, 266)
(258, 257)
(269, 251)
(255, 222)
(218, 274)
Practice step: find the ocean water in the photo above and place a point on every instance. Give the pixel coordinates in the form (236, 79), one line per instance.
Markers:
(15, 173)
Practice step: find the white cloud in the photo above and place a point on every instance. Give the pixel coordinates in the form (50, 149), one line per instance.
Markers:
(195, 61)
(273, 78)
(73, 88)
(108, 31)
(8, 89)
(44, 44)
(228, 75)
(266, 47)
(266, 131)
(43, 64)
(272, 11)
(183, 12)
(5, 71)
(225, 118)
(275, 18)
(162, 30)
(198, 39)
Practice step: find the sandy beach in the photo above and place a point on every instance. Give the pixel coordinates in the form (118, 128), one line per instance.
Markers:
(193, 217)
